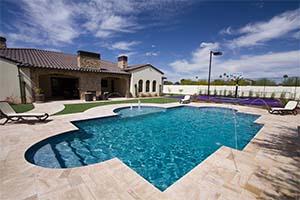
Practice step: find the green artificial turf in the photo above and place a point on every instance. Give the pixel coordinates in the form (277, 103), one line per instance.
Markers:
(80, 107)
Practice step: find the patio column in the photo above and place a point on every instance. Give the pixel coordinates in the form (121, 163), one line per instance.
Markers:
(127, 87)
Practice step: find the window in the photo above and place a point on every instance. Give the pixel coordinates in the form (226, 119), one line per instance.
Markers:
(140, 86)
(104, 83)
(147, 86)
(154, 86)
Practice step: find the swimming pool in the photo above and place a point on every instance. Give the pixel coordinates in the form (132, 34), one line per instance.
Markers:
(160, 144)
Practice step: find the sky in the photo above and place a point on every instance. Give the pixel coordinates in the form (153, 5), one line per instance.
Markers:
(257, 38)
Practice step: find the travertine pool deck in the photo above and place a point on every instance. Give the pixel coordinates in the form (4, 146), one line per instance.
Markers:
(268, 167)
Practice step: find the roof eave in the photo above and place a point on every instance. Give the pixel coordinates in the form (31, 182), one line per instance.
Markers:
(145, 65)
(78, 70)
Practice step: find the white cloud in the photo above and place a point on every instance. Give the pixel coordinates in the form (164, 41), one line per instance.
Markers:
(103, 34)
(152, 53)
(268, 65)
(226, 31)
(263, 65)
(199, 60)
(174, 76)
(128, 54)
(123, 45)
(53, 49)
(117, 23)
(46, 22)
(57, 22)
(260, 32)
(297, 35)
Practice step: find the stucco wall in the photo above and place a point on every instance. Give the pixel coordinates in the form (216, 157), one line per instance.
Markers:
(260, 91)
(25, 77)
(9, 82)
(146, 73)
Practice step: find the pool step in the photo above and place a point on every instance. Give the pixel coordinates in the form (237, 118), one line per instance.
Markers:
(69, 155)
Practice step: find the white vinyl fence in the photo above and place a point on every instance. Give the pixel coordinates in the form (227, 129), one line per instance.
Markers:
(243, 91)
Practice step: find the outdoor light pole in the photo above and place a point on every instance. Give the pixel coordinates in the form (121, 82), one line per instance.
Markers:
(211, 53)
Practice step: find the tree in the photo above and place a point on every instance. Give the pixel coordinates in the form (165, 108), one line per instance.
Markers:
(168, 83)
(264, 82)
(291, 81)
(202, 82)
(244, 82)
(235, 79)
(192, 82)
(218, 82)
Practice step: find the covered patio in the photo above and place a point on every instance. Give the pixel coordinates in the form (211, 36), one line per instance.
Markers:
(71, 85)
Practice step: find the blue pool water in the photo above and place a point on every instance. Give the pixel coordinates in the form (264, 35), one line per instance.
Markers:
(160, 144)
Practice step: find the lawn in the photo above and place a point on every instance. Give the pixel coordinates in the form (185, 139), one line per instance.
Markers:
(19, 108)
(81, 107)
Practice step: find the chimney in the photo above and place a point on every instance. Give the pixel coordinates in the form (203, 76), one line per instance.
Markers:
(2, 42)
(123, 62)
(87, 59)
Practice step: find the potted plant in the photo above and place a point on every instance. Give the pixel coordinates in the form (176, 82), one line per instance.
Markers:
(39, 95)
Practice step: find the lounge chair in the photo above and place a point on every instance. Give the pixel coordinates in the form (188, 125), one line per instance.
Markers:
(290, 107)
(186, 99)
(9, 113)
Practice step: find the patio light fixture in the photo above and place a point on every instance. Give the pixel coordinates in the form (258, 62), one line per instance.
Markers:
(215, 53)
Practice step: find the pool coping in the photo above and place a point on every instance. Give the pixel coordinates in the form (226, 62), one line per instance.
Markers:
(140, 188)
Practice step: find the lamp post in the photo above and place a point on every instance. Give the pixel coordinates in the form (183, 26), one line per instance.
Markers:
(211, 53)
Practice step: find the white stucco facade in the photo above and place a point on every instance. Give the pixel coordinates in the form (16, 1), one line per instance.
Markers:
(26, 84)
(10, 84)
(151, 81)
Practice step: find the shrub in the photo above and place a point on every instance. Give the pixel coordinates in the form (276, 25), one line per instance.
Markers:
(143, 95)
(215, 92)
(220, 92)
(39, 91)
(284, 101)
(136, 90)
(250, 93)
(225, 92)
(200, 92)
(229, 93)
(242, 94)
(194, 97)
(12, 99)
(282, 95)
(180, 90)
(129, 95)
(257, 94)
(273, 95)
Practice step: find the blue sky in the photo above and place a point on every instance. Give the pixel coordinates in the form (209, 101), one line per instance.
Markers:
(257, 38)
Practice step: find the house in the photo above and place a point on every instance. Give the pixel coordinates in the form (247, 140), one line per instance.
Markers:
(66, 76)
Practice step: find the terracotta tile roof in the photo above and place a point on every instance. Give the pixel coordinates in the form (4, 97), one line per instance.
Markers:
(53, 60)
(134, 67)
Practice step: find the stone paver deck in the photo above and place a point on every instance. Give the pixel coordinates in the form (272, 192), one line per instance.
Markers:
(268, 167)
